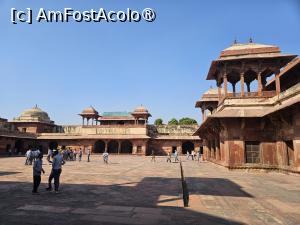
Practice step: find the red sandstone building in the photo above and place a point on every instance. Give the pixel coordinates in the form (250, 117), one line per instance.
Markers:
(254, 122)
(115, 132)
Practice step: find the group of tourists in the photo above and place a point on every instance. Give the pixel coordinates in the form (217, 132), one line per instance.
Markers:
(194, 155)
(70, 154)
(175, 156)
(56, 158)
(31, 156)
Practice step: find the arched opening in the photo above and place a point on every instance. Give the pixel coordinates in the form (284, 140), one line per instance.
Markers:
(233, 79)
(267, 75)
(41, 148)
(187, 146)
(53, 145)
(99, 146)
(201, 150)
(126, 147)
(8, 147)
(112, 147)
(250, 82)
(174, 148)
(19, 146)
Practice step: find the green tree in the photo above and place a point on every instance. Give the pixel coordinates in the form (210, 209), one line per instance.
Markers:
(158, 121)
(173, 121)
(187, 121)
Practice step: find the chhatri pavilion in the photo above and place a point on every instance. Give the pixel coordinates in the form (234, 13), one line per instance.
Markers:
(255, 121)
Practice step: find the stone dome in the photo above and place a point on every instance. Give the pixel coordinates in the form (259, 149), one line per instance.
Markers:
(211, 91)
(141, 109)
(34, 114)
(214, 91)
(89, 111)
(247, 49)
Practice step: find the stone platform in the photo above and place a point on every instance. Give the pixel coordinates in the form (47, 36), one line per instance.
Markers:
(133, 190)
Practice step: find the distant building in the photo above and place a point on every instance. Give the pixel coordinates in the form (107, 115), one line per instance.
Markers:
(115, 132)
(255, 123)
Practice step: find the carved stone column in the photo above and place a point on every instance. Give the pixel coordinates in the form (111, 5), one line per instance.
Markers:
(217, 150)
(225, 84)
(134, 149)
(219, 92)
(277, 82)
(259, 84)
(233, 88)
(119, 146)
(242, 84)
(106, 146)
(248, 87)
(179, 149)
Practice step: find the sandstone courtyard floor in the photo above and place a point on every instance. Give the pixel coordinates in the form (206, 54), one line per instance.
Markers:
(133, 190)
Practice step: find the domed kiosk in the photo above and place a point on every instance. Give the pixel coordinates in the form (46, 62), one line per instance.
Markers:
(34, 120)
(141, 115)
(89, 113)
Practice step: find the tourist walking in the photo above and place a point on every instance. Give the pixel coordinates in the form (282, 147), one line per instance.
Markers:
(57, 163)
(88, 154)
(75, 154)
(27, 155)
(31, 156)
(105, 157)
(37, 170)
(49, 155)
(198, 156)
(169, 157)
(152, 156)
(176, 156)
(193, 155)
(187, 155)
(71, 155)
(79, 155)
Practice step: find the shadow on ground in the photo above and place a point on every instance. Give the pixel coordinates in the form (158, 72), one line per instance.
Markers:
(17, 203)
(5, 173)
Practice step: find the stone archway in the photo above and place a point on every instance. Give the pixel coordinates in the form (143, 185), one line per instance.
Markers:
(112, 146)
(99, 146)
(8, 146)
(53, 145)
(126, 147)
(187, 146)
(19, 146)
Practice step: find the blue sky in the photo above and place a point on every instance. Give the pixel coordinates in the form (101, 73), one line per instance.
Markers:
(65, 67)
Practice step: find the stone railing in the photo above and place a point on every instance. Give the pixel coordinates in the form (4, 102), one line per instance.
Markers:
(105, 129)
(264, 94)
(17, 134)
(179, 130)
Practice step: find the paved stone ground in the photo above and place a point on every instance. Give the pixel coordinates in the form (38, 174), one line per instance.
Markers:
(132, 190)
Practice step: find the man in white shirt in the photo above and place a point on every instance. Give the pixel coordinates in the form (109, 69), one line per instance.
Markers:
(105, 157)
(57, 163)
(88, 154)
(27, 155)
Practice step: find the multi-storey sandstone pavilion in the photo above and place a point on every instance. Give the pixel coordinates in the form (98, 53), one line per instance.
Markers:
(116, 132)
(256, 124)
